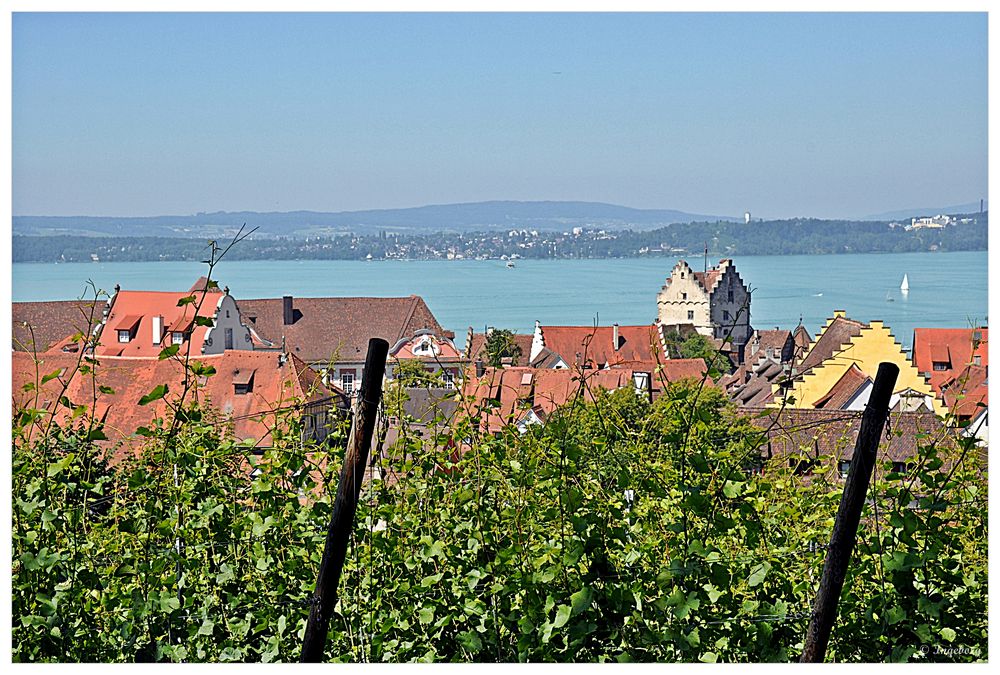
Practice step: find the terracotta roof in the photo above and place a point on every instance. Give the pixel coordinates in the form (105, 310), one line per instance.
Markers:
(797, 431)
(576, 344)
(52, 322)
(845, 388)
(135, 310)
(520, 389)
(276, 384)
(955, 346)
(834, 337)
(324, 328)
(964, 392)
(474, 348)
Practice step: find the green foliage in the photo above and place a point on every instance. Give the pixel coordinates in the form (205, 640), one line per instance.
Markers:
(622, 530)
(499, 345)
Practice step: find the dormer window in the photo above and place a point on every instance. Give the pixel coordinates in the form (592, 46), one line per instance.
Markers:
(243, 381)
(176, 337)
(127, 328)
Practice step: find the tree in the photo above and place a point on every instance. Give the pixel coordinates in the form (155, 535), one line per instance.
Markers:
(500, 344)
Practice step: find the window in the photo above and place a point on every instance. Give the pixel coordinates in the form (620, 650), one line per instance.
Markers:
(176, 338)
(725, 315)
(690, 315)
(940, 365)
(124, 335)
(730, 295)
(449, 379)
(977, 335)
(229, 338)
(243, 381)
(684, 296)
(901, 467)
(844, 467)
(347, 382)
(977, 360)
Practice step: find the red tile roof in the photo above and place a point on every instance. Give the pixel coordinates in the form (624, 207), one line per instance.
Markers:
(325, 329)
(543, 390)
(595, 346)
(135, 310)
(954, 346)
(51, 323)
(708, 279)
(275, 385)
(965, 391)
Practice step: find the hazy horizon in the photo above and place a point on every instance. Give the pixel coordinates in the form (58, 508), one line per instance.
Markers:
(785, 115)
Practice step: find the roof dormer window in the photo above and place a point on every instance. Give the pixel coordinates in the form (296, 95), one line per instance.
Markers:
(243, 381)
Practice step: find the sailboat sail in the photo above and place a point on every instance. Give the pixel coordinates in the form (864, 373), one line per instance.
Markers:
(905, 286)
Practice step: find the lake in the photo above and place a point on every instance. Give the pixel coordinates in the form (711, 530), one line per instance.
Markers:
(946, 289)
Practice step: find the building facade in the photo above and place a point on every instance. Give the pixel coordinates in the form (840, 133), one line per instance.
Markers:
(716, 302)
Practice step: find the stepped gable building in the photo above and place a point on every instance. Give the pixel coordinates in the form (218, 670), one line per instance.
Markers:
(41, 326)
(845, 357)
(245, 390)
(331, 334)
(716, 302)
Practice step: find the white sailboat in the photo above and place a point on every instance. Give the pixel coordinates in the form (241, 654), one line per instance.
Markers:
(905, 286)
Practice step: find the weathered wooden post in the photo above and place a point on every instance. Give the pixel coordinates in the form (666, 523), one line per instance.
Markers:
(346, 502)
(845, 527)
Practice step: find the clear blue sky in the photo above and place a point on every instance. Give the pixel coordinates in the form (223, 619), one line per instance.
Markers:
(785, 115)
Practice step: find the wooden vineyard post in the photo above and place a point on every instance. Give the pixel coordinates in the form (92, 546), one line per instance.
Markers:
(346, 502)
(845, 527)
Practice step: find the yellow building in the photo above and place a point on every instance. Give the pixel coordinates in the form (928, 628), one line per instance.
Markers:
(846, 354)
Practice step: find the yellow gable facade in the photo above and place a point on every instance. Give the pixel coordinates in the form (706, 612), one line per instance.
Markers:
(867, 350)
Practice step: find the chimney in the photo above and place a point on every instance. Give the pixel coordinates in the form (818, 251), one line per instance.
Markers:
(157, 329)
(614, 329)
(289, 315)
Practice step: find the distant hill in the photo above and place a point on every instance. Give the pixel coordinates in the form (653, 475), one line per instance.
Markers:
(476, 216)
(971, 207)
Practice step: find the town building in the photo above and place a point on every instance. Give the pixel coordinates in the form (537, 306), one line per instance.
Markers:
(942, 353)
(249, 390)
(716, 302)
(844, 356)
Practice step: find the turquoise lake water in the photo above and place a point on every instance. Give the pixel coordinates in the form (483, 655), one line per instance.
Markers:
(946, 289)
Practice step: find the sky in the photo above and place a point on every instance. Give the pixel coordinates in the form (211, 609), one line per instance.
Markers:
(784, 115)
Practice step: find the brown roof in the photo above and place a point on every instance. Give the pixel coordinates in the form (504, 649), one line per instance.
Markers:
(325, 329)
(750, 384)
(778, 341)
(795, 431)
(52, 322)
(845, 388)
(833, 338)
